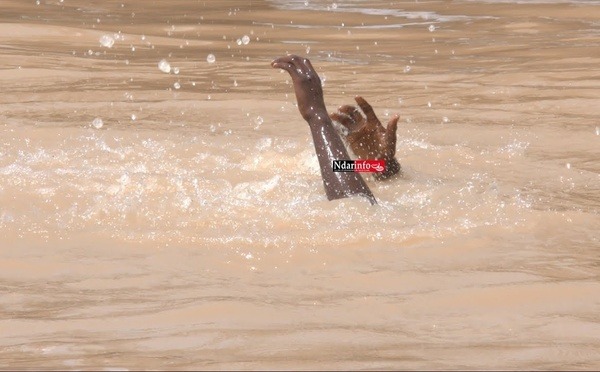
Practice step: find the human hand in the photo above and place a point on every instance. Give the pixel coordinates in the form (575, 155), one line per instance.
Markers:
(307, 86)
(367, 137)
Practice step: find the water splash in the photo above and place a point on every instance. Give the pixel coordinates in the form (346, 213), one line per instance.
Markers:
(258, 122)
(164, 66)
(97, 123)
(107, 41)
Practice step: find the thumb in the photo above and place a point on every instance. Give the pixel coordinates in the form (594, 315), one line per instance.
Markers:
(390, 136)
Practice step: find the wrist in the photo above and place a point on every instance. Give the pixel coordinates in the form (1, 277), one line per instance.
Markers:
(317, 118)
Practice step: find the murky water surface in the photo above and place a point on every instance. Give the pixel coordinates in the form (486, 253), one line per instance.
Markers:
(174, 217)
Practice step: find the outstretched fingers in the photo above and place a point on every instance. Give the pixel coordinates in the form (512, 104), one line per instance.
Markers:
(308, 65)
(345, 120)
(349, 116)
(353, 112)
(284, 63)
(296, 66)
(290, 64)
(372, 121)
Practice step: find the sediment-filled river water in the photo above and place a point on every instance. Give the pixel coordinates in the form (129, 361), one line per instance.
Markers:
(161, 205)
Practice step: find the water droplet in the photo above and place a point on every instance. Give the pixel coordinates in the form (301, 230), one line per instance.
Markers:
(445, 119)
(164, 66)
(407, 69)
(568, 165)
(176, 85)
(308, 49)
(428, 104)
(210, 58)
(245, 39)
(598, 131)
(238, 41)
(431, 28)
(235, 83)
(97, 123)
(133, 117)
(176, 70)
(107, 41)
(258, 122)
(334, 6)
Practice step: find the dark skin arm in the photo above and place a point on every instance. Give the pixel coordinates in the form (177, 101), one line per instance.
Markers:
(368, 138)
(328, 145)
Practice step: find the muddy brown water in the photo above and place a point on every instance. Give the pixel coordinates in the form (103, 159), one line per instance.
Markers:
(155, 220)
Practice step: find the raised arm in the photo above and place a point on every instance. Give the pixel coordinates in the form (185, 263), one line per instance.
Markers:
(328, 145)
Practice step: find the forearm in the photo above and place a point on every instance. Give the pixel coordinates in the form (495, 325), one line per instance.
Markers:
(329, 147)
(328, 144)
